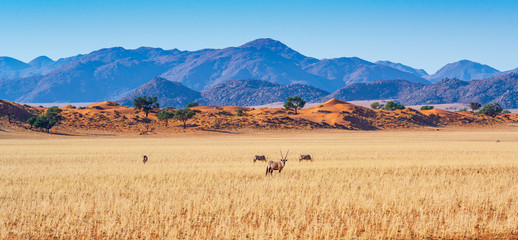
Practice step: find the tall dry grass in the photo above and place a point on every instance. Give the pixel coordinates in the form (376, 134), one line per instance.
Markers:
(362, 185)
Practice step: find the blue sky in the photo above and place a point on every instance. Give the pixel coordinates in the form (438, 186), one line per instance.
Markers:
(422, 34)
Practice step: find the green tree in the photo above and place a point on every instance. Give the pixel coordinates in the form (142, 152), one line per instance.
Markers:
(192, 104)
(47, 120)
(165, 116)
(145, 104)
(184, 115)
(426, 107)
(474, 106)
(31, 121)
(294, 103)
(376, 105)
(391, 106)
(491, 109)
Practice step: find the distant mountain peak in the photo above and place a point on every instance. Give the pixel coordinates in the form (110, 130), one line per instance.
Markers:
(265, 43)
(464, 70)
(41, 61)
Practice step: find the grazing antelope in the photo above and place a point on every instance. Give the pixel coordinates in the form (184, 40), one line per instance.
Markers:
(497, 140)
(145, 159)
(259, 158)
(277, 165)
(305, 157)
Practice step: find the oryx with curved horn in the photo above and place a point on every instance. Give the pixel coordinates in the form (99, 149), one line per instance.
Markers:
(279, 165)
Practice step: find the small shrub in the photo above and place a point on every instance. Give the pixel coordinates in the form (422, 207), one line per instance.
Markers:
(491, 109)
(391, 106)
(462, 110)
(377, 105)
(426, 107)
(192, 104)
(474, 106)
(240, 113)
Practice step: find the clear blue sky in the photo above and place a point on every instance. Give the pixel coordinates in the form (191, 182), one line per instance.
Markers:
(422, 34)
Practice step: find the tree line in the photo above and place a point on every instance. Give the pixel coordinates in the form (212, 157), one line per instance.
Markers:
(490, 109)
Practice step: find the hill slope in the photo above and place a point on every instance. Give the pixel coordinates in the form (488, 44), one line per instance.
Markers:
(464, 70)
(502, 89)
(169, 94)
(250, 92)
(404, 68)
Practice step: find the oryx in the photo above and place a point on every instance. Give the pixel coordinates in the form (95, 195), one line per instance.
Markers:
(259, 158)
(279, 165)
(305, 157)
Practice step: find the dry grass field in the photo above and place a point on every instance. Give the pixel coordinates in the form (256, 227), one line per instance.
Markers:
(361, 185)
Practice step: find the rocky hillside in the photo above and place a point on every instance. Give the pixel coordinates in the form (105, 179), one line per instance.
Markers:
(250, 92)
(243, 92)
(501, 89)
(169, 94)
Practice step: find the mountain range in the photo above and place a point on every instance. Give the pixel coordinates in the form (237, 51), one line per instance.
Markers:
(502, 89)
(114, 73)
(243, 92)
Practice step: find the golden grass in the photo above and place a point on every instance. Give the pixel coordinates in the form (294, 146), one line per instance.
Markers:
(362, 185)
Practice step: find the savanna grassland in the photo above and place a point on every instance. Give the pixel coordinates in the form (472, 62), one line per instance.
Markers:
(361, 185)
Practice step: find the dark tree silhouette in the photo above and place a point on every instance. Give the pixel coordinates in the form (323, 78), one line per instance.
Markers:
(145, 104)
(294, 103)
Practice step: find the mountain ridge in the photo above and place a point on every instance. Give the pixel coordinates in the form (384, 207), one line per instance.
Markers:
(110, 72)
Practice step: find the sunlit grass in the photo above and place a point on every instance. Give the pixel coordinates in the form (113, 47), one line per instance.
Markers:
(360, 185)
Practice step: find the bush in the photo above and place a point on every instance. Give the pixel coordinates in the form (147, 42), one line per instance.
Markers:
(506, 111)
(240, 113)
(377, 105)
(391, 106)
(192, 104)
(462, 110)
(491, 109)
(427, 107)
(474, 106)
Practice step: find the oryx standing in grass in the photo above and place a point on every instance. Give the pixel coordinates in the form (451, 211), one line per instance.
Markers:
(259, 158)
(305, 157)
(279, 165)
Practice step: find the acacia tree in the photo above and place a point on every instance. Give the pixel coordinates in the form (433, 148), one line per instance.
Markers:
(474, 106)
(165, 116)
(47, 120)
(184, 115)
(391, 106)
(145, 104)
(491, 109)
(294, 103)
